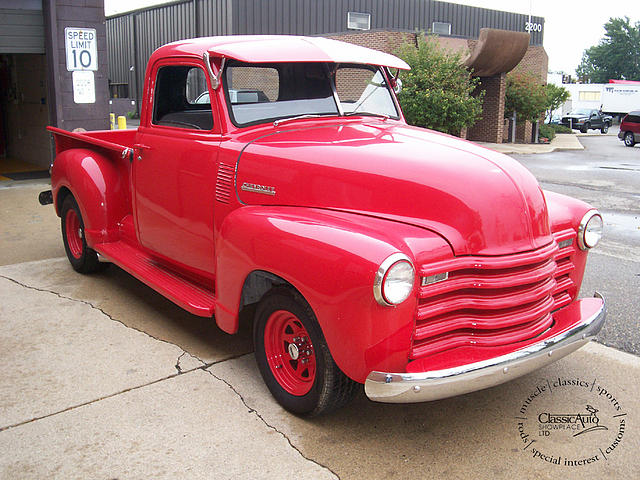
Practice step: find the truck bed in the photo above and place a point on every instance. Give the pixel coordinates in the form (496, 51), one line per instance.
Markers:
(113, 140)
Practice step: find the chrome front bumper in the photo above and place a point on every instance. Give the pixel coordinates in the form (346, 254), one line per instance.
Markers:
(434, 385)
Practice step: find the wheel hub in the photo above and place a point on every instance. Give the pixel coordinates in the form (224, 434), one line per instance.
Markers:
(294, 353)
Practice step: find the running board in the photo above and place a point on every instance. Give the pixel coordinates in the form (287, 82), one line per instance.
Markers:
(193, 297)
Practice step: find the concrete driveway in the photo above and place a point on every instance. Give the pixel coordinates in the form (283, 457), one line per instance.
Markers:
(104, 378)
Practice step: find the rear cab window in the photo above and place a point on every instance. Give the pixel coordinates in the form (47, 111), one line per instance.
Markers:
(181, 98)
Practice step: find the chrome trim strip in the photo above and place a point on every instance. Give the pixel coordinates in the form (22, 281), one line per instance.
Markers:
(382, 271)
(437, 384)
(583, 225)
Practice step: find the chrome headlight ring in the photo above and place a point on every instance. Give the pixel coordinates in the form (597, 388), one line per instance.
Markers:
(393, 262)
(590, 230)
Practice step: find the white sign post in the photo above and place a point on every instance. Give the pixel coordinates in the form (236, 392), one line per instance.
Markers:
(82, 60)
(84, 87)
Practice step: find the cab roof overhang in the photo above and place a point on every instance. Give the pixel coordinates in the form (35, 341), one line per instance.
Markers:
(282, 48)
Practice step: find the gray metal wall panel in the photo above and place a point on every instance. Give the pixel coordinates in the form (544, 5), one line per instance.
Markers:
(119, 33)
(159, 25)
(21, 31)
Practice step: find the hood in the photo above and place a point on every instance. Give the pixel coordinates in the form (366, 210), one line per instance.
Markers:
(576, 116)
(480, 201)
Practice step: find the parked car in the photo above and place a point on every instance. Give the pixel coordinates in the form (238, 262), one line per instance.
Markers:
(419, 264)
(630, 128)
(585, 119)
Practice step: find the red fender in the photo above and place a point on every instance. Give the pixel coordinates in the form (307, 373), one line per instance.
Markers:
(100, 188)
(565, 213)
(331, 258)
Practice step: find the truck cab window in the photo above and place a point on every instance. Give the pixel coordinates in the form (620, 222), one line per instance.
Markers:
(182, 98)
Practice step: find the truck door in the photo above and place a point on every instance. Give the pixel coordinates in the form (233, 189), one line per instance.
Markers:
(175, 165)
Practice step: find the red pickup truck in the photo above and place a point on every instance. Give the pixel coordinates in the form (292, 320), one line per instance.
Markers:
(278, 172)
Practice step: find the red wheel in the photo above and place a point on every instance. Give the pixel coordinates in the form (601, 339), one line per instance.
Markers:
(74, 233)
(82, 258)
(289, 352)
(293, 356)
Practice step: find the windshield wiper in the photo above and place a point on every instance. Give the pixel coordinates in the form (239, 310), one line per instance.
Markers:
(367, 114)
(299, 117)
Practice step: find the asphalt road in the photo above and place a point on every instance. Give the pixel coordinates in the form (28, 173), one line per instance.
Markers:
(605, 174)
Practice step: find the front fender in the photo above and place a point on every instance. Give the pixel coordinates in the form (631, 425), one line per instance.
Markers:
(565, 213)
(331, 258)
(99, 187)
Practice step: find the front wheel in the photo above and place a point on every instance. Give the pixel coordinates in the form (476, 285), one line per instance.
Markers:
(629, 140)
(293, 356)
(82, 258)
(585, 128)
(605, 128)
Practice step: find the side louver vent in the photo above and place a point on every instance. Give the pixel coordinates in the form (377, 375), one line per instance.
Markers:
(224, 182)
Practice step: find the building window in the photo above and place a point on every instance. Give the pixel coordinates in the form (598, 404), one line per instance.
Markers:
(441, 28)
(358, 21)
(590, 96)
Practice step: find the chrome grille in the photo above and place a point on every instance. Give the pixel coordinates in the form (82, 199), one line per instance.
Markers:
(492, 301)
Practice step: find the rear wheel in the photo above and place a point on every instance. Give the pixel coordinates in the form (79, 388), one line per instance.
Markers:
(293, 356)
(605, 128)
(82, 258)
(629, 141)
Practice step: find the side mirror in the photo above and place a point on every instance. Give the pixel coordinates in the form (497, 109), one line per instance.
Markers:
(398, 86)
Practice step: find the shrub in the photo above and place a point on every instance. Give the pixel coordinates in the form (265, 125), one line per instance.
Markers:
(526, 96)
(438, 91)
(560, 128)
(547, 131)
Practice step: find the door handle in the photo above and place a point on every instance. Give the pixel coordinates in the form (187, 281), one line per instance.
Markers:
(140, 148)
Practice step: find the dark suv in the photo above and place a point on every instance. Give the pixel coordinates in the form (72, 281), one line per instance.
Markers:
(630, 128)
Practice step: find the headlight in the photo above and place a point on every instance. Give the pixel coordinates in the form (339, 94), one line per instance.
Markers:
(394, 280)
(590, 230)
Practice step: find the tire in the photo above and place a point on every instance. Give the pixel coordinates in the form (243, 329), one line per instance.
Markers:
(605, 128)
(585, 128)
(293, 356)
(82, 258)
(629, 141)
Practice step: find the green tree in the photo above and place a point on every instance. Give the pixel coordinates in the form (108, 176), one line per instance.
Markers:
(526, 96)
(556, 96)
(438, 91)
(617, 55)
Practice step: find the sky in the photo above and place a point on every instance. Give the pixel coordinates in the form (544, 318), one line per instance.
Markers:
(571, 26)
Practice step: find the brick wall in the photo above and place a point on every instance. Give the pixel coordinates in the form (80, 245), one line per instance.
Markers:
(490, 127)
(524, 132)
(383, 40)
(65, 113)
(536, 62)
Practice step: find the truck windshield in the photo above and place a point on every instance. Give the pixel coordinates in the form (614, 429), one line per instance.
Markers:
(580, 111)
(269, 92)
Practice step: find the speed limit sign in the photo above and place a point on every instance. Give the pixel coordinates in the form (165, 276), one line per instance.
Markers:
(81, 48)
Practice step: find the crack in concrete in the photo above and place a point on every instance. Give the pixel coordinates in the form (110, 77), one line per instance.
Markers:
(108, 315)
(95, 400)
(268, 425)
(177, 365)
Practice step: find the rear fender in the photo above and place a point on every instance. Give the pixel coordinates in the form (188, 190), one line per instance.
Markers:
(331, 258)
(99, 186)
